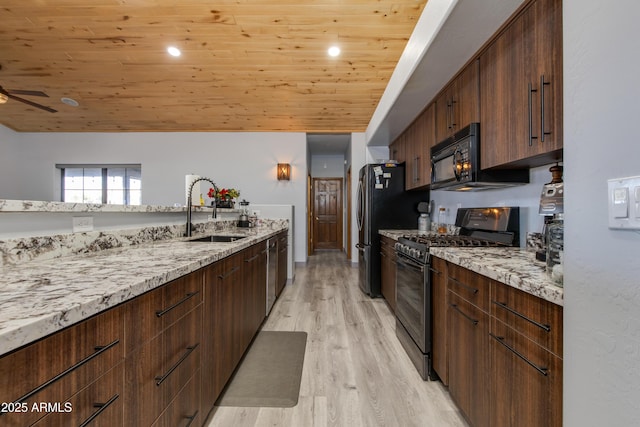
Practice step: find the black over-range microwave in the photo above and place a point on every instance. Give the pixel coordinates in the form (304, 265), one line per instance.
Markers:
(455, 165)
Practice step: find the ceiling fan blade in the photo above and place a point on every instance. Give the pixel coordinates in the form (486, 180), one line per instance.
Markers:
(33, 104)
(27, 92)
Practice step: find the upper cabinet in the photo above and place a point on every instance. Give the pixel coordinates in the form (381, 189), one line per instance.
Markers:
(458, 104)
(417, 140)
(521, 90)
(397, 149)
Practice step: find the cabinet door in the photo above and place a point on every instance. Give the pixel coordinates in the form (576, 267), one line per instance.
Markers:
(184, 410)
(526, 383)
(469, 359)
(56, 367)
(226, 308)
(459, 104)
(98, 405)
(283, 249)
(388, 272)
(439, 303)
(419, 139)
(397, 150)
(511, 70)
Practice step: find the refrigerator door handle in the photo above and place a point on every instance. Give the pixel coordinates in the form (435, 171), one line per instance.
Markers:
(360, 206)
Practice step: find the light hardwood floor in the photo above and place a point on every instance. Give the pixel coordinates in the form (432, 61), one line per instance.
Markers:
(355, 371)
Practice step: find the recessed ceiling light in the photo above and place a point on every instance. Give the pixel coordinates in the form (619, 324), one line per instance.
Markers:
(69, 101)
(334, 51)
(174, 51)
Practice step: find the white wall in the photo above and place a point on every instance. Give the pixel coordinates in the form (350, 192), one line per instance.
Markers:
(602, 270)
(9, 167)
(356, 158)
(327, 166)
(246, 161)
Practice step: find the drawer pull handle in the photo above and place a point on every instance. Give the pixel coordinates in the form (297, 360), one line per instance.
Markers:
(160, 380)
(252, 258)
(546, 328)
(98, 351)
(224, 276)
(541, 370)
(433, 270)
(191, 419)
(101, 407)
(470, 319)
(161, 313)
(464, 285)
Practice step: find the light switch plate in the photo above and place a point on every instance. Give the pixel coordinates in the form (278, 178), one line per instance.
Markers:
(82, 224)
(624, 203)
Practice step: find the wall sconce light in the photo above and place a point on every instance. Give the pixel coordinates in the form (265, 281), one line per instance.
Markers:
(284, 171)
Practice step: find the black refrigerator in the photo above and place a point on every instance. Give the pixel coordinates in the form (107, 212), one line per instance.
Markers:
(382, 203)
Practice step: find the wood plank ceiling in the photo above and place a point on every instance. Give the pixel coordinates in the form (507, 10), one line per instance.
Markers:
(246, 65)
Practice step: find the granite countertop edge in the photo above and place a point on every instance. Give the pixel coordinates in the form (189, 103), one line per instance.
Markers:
(40, 298)
(515, 267)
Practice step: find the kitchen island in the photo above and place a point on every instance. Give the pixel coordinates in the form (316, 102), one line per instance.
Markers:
(142, 334)
(41, 297)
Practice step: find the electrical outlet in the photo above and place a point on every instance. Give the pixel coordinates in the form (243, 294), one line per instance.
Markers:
(82, 224)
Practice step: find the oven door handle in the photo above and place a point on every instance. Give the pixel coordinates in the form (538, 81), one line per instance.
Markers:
(408, 262)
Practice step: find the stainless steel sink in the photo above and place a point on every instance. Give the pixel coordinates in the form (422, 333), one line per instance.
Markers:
(224, 239)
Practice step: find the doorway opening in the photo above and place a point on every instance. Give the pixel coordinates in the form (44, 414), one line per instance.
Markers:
(328, 192)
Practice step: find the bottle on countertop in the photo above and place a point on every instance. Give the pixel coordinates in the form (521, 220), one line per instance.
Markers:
(442, 226)
(424, 223)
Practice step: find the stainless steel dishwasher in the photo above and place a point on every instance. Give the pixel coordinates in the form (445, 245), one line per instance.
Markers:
(272, 269)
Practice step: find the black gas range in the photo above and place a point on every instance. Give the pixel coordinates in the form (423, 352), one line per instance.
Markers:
(478, 227)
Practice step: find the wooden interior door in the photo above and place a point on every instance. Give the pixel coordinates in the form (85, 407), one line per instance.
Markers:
(327, 208)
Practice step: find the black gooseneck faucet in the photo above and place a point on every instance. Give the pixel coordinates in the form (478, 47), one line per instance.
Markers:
(189, 225)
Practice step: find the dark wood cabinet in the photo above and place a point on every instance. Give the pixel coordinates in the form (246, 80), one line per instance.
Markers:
(439, 303)
(255, 291)
(503, 351)
(59, 366)
(157, 368)
(161, 358)
(388, 271)
(223, 295)
(413, 148)
(397, 149)
(526, 355)
(458, 104)
(99, 405)
(283, 258)
(521, 90)
(468, 343)
(234, 309)
(184, 410)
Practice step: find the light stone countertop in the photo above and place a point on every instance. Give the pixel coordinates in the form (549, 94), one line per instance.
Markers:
(47, 207)
(41, 297)
(516, 267)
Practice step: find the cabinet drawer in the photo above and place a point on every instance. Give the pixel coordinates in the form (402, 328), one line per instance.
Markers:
(182, 347)
(58, 366)
(153, 312)
(184, 410)
(535, 318)
(526, 383)
(98, 405)
(157, 370)
(469, 285)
